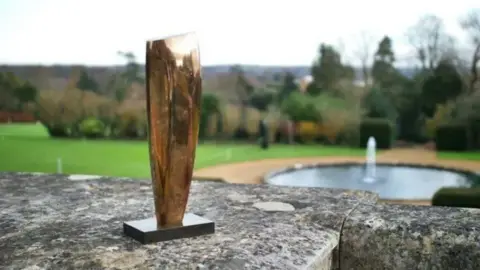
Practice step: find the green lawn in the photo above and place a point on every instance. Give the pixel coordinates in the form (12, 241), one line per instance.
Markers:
(25, 147)
(460, 155)
(23, 130)
(28, 148)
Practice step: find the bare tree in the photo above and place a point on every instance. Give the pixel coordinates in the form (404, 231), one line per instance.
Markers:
(364, 53)
(244, 90)
(471, 24)
(431, 42)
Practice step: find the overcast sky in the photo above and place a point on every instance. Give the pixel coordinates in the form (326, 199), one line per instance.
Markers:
(264, 32)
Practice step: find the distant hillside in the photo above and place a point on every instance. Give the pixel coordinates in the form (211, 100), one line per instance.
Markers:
(64, 71)
(57, 76)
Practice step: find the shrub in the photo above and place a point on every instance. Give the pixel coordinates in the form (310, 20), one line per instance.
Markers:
(339, 127)
(457, 197)
(231, 120)
(92, 128)
(324, 118)
(230, 116)
(241, 133)
(467, 111)
(475, 129)
(218, 124)
(444, 84)
(300, 107)
(210, 106)
(380, 129)
(203, 125)
(129, 125)
(57, 130)
(59, 111)
(451, 137)
(442, 116)
(282, 131)
(340, 118)
(272, 120)
(131, 120)
(378, 105)
(213, 126)
(307, 131)
(349, 136)
(15, 92)
(62, 112)
(261, 99)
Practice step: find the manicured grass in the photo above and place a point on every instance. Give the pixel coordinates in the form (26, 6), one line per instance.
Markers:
(28, 148)
(460, 155)
(23, 130)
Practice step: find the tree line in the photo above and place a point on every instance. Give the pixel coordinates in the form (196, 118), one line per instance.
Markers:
(442, 89)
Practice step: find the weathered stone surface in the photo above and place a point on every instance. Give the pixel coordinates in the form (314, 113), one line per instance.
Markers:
(76, 177)
(387, 236)
(274, 206)
(51, 222)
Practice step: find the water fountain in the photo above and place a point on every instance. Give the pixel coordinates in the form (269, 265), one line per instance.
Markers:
(370, 166)
(399, 181)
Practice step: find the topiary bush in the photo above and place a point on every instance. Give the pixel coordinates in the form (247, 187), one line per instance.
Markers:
(379, 128)
(92, 128)
(457, 197)
(451, 137)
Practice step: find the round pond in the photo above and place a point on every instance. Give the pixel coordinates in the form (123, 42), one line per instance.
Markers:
(391, 182)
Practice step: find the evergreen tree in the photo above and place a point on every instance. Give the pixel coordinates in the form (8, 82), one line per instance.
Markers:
(384, 73)
(443, 85)
(289, 86)
(328, 71)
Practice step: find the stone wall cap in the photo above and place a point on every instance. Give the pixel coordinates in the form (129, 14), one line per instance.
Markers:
(411, 237)
(49, 221)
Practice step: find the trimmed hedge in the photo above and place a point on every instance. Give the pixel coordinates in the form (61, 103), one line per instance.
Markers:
(457, 197)
(379, 128)
(475, 129)
(452, 137)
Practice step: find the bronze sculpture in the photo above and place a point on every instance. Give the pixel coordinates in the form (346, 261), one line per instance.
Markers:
(174, 87)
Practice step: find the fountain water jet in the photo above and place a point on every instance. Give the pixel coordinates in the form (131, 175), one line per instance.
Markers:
(370, 167)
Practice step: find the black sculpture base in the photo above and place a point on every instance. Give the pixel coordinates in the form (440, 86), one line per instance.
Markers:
(145, 231)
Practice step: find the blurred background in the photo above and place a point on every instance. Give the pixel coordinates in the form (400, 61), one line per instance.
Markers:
(322, 77)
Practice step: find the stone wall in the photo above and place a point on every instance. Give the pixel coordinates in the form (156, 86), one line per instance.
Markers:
(62, 222)
(383, 236)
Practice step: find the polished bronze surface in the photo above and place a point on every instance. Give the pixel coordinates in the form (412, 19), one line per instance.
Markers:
(174, 89)
(174, 86)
